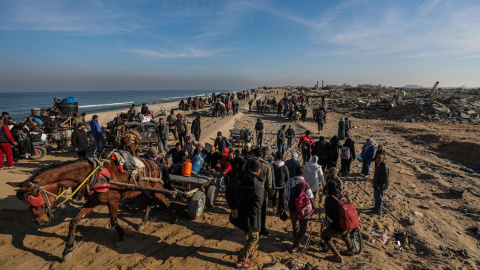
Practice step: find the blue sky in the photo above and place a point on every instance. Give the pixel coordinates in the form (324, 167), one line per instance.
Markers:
(154, 45)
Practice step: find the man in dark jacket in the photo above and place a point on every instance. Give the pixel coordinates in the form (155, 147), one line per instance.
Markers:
(244, 197)
(181, 126)
(290, 134)
(196, 128)
(80, 141)
(320, 150)
(221, 142)
(282, 175)
(163, 134)
(334, 229)
(144, 109)
(281, 139)
(259, 131)
(380, 183)
(177, 154)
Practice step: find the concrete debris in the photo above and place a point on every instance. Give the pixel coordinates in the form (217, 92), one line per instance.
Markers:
(411, 107)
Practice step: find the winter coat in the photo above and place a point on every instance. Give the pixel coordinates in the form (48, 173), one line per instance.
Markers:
(332, 155)
(293, 190)
(79, 140)
(181, 125)
(52, 126)
(292, 165)
(320, 150)
(313, 173)
(171, 121)
(96, 130)
(381, 176)
(259, 126)
(281, 174)
(163, 131)
(290, 133)
(281, 136)
(368, 152)
(225, 165)
(246, 194)
(196, 129)
(221, 143)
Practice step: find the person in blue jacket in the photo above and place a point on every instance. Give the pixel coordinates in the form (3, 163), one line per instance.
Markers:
(368, 152)
(97, 134)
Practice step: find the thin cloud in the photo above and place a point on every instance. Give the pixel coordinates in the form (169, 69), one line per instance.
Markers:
(186, 53)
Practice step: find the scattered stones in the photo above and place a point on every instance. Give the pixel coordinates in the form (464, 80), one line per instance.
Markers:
(457, 191)
(411, 221)
(416, 213)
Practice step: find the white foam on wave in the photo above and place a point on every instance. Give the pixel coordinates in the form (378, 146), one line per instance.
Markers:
(106, 105)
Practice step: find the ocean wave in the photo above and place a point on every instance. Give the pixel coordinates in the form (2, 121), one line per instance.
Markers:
(106, 105)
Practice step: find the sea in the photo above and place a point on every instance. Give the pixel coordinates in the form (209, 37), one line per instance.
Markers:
(19, 104)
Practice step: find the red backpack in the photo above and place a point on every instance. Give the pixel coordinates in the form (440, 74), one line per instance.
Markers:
(348, 216)
(303, 205)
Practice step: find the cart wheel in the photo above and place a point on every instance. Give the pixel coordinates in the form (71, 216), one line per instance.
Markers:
(40, 152)
(196, 205)
(212, 195)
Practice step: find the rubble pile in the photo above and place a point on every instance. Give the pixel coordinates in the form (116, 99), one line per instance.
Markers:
(396, 106)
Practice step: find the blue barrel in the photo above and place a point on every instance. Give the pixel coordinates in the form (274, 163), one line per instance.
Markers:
(38, 121)
(197, 162)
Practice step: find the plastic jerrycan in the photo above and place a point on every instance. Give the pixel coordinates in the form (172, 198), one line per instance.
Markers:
(197, 162)
(187, 168)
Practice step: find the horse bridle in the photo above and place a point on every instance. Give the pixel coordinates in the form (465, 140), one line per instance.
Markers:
(49, 207)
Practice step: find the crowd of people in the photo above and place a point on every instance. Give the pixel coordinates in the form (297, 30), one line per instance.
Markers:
(255, 175)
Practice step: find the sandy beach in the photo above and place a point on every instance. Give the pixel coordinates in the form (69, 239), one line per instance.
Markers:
(417, 192)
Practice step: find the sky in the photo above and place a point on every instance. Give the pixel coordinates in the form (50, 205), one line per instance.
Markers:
(225, 44)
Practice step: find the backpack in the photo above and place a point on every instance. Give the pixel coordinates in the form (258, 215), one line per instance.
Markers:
(305, 145)
(348, 216)
(345, 152)
(303, 205)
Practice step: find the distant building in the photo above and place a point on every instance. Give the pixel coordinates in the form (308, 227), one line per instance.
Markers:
(413, 86)
(370, 86)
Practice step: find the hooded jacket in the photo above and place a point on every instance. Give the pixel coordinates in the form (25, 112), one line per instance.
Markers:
(96, 130)
(313, 173)
(224, 163)
(281, 174)
(246, 194)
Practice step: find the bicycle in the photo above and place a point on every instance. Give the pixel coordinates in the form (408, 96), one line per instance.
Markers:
(355, 237)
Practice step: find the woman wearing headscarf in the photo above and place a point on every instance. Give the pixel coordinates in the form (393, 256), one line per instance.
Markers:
(314, 174)
(368, 152)
(341, 129)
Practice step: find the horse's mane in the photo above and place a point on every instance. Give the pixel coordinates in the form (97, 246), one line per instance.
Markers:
(47, 168)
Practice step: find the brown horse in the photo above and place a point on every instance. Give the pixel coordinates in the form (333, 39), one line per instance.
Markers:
(129, 141)
(41, 190)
